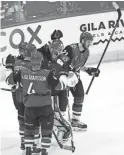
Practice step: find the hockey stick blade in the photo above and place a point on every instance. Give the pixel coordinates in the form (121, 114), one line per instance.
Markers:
(65, 147)
(70, 148)
(116, 6)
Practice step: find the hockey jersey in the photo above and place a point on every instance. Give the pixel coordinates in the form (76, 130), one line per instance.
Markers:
(78, 58)
(36, 90)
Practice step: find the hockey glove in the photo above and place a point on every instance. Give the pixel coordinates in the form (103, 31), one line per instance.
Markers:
(10, 61)
(72, 79)
(17, 76)
(93, 71)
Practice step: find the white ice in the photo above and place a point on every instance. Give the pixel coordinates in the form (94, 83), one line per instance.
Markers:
(103, 111)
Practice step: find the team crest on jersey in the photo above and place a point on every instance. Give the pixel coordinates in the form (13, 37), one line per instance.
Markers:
(65, 59)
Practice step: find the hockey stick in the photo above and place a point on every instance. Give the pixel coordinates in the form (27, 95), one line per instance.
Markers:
(72, 139)
(72, 147)
(69, 116)
(119, 16)
(5, 89)
(66, 147)
(3, 63)
(8, 65)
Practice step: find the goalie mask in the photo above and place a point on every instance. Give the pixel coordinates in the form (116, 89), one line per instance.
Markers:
(56, 48)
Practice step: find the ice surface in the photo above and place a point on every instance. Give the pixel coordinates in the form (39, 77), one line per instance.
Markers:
(103, 111)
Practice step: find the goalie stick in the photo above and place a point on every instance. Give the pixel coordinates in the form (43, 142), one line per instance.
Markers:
(65, 147)
(116, 6)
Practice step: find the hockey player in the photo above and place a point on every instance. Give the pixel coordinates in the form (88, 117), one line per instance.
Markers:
(57, 56)
(13, 64)
(9, 63)
(53, 53)
(79, 53)
(16, 64)
(37, 84)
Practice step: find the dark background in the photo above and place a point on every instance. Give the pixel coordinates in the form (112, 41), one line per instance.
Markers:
(15, 13)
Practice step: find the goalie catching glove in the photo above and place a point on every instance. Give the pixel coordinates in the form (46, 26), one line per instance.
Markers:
(93, 71)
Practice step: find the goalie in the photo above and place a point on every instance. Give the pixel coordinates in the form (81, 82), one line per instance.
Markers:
(53, 54)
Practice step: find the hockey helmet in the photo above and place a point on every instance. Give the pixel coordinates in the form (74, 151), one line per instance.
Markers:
(36, 60)
(22, 45)
(22, 48)
(30, 48)
(86, 36)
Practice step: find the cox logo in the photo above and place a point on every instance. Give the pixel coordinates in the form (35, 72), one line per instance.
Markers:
(34, 36)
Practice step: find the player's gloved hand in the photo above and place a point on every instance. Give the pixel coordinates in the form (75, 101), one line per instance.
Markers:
(72, 79)
(17, 77)
(93, 71)
(57, 34)
(10, 61)
(13, 88)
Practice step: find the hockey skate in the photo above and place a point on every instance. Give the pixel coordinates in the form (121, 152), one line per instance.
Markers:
(78, 125)
(23, 152)
(22, 144)
(28, 151)
(22, 147)
(44, 152)
(36, 150)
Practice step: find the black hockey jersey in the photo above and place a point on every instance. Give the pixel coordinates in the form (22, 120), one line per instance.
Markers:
(78, 58)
